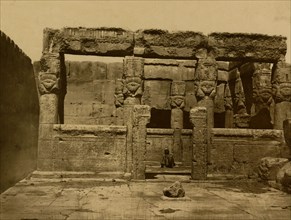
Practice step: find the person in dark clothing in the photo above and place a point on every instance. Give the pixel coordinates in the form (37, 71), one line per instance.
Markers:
(168, 159)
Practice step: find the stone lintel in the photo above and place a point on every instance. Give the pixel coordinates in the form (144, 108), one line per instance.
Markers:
(171, 62)
(153, 43)
(244, 46)
(228, 65)
(91, 41)
(73, 129)
(169, 44)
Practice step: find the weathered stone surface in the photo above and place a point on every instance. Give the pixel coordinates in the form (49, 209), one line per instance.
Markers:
(175, 190)
(222, 75)
(161, 43)
(281, 92)
(237, 46)
(157, 140)
(157, 94)
(95, 41)
(190, 98)
(141, 117)
(48, 109)
(222, 158)
(198, 117)
(287, 131)
(84, 148)
(219, 99)
(249, 146)
(282, 112)
(226, 65)
(284, 177)
(169, 69)
(269, 167)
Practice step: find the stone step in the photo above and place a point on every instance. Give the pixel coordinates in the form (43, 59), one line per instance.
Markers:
(80, 175)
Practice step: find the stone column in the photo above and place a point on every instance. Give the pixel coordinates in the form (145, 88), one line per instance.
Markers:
(241, 117)
(177, 103)
(228, 104)
(200, 140)
(281, 92)
(205, 83)
(49, 90)
(132, 85)
(140, 117)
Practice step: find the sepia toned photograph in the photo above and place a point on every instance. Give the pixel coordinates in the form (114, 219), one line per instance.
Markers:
(137, 110)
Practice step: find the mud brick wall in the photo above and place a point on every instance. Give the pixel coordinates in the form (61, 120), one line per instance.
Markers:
(19, 112)
(158, 139)
(238, 151)
(83, 148)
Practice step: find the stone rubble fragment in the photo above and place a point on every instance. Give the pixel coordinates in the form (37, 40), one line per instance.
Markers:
(175, 190)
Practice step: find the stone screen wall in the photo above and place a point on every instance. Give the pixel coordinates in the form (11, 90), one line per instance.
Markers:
(158, 139)
(83, 148)
(19, 112)
(238, 151)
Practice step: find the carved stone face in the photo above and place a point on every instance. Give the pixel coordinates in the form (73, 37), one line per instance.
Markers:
(207, 87)
(48, 83)
(132, 85)
(285, 89)
(177, 101)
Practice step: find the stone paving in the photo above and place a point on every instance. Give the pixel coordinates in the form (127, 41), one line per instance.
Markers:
(35, 199)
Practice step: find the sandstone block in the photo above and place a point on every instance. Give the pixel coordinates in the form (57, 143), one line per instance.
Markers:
(157, 94)
(160, 43)
(269, 167)
(252, 46)
(175, 190)
(284, 176)
(95, 41)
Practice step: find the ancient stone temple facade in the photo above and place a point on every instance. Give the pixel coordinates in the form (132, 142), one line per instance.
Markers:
(218, 102)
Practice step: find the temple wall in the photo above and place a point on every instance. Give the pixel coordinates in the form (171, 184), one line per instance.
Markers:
(83, 148)
(90, 92)
(19, 112)
(238, 151)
